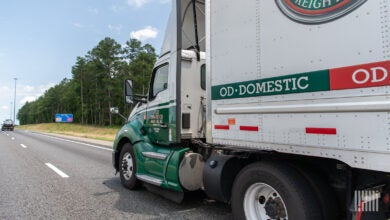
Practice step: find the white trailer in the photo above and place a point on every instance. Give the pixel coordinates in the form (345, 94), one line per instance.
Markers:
(281, 108)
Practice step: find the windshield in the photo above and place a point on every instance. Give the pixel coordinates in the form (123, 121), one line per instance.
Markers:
(8, 122)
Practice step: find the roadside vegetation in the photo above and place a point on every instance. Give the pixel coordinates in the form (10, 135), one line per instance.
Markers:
(76, 130)
(96, 85)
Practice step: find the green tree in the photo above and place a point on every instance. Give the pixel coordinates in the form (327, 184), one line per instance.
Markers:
(96, 85)
(107, 56)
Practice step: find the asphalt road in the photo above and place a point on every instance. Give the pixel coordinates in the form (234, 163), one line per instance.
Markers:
(44, 177)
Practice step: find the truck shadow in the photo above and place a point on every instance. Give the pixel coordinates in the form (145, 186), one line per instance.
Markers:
(144, 203)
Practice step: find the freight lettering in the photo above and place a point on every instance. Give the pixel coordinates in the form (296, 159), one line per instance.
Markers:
(362, 76)
(264, 87)
(317, 11)
(316, 4)
(289, 84)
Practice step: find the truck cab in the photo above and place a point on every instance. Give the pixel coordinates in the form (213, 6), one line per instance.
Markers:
(163, 123)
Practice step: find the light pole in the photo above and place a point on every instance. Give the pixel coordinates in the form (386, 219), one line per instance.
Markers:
(10, 111)
(15, 99)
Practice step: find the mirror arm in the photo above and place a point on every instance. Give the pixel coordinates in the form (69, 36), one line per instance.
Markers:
(122, 116)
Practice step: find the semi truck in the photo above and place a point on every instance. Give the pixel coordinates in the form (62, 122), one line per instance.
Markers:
(280, 108)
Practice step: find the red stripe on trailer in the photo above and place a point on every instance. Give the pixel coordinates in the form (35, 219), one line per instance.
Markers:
(329, 131)
(221, 127)
(249, 128)
(360, 76)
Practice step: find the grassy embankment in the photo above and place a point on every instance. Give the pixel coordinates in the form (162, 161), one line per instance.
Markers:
(77, 130)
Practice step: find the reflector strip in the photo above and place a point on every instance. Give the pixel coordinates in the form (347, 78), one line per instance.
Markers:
(249, 128)
(221, 127)
(328, 131)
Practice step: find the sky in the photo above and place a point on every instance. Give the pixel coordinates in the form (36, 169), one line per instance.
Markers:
(40, 40)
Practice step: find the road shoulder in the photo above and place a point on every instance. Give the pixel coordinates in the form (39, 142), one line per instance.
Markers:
(107, 144)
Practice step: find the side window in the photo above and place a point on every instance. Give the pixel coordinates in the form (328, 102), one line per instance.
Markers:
(160, 80)
(203, 77)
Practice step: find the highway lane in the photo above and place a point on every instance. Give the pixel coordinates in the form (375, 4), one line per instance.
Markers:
(43, 177)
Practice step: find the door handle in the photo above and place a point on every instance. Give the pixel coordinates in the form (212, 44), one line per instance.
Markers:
(163, 125)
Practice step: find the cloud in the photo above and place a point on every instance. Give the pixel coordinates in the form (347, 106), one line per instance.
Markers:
(116, 9)
(31, 93)
(93, 10)
(27, 88)
(144, 34)
(78, 25)
(27, 99)
(4, 89)
(43, 88)
(140, 3)
(114, 28)
(137, 3)
(165, 1)
(24, 93)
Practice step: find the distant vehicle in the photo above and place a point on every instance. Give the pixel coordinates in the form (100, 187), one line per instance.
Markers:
(8, 125)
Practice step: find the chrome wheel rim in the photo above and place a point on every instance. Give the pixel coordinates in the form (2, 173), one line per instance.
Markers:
(127, 166)
(263, 202)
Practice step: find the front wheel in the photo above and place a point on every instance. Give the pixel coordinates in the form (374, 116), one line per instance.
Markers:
(128, 168)
(268, 190)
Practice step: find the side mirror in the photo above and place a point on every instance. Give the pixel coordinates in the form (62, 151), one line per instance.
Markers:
(129, 92)
(130, 97)
(114, 110)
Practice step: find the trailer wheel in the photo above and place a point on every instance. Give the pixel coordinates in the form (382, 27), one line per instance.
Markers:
(128, 168)
(326, 197)
(268, 190)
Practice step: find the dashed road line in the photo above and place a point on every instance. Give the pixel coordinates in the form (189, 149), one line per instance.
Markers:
(22, 145)
(58, 171)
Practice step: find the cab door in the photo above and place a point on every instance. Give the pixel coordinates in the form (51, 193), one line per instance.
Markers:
(158, 115)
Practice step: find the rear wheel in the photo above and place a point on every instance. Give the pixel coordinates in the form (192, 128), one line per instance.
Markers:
(323, 192)
(267, 190)
(128, 168)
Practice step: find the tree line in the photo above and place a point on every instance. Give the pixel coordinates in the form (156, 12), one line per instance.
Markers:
(96, 85)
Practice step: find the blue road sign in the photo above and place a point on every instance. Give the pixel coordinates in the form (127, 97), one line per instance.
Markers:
(64, 118)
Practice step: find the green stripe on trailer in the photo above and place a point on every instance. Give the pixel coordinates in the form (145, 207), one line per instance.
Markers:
(350, 77)
(297, 83)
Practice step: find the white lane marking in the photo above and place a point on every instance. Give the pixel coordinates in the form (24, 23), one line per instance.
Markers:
(58, 171)
(13, 138)
(22, 145)
(76, 142)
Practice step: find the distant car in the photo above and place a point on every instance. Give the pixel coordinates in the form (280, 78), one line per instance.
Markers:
(8, 125)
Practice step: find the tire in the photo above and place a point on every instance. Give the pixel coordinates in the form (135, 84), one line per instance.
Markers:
(128, 168)
(324, 193)
(270, 190)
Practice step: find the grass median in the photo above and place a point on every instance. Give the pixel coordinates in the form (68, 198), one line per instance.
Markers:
(76, 130)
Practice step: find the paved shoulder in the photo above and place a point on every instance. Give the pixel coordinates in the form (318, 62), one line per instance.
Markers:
(80, 139)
